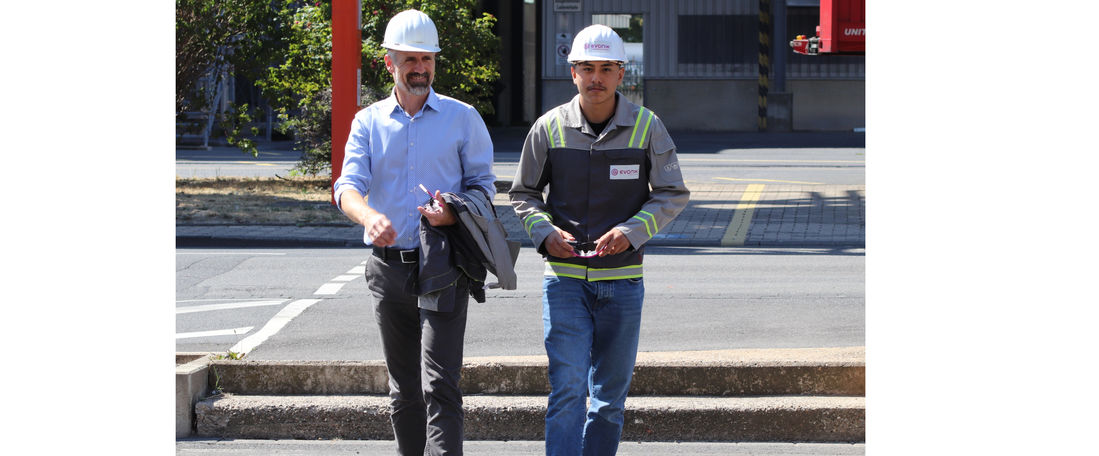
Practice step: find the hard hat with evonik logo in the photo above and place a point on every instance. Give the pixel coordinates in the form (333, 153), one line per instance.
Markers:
(411, 31)
(597, 42)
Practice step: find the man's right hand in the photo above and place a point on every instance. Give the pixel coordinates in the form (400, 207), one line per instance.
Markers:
(556, 244)
(377, 225)
(380, 229)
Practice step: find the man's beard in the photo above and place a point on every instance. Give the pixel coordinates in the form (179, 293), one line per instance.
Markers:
(418, 88)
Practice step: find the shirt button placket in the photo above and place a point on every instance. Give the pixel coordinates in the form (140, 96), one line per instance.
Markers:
(413, 179)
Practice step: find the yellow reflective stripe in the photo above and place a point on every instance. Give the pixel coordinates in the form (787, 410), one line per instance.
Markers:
(560, 131)
(567, 270)
(646, 222)
(649, 120)
(535, 218)
(549, 133)
(652, 217)
(576, 271)
(625, 272)
(635, 122)
(654, 229)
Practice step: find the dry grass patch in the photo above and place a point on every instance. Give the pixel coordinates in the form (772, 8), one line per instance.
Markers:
(256, 201)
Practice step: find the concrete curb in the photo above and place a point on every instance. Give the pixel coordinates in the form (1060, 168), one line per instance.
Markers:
(802, 395)
(647, 418)
(827, 371)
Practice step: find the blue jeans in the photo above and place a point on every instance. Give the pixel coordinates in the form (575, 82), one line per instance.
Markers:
(591, 331)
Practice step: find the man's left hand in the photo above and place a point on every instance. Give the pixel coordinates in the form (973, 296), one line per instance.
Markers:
(441, 214)
(612, 243)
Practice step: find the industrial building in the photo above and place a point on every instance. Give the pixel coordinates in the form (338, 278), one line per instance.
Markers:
(696, 63)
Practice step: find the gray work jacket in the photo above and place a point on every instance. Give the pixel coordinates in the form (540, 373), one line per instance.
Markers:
(627, 177)
(475, 245)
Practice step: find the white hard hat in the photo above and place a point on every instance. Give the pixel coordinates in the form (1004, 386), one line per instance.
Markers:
(411, 31)
(597, 42)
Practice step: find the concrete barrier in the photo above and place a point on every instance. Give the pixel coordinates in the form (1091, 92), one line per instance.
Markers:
(192, 386)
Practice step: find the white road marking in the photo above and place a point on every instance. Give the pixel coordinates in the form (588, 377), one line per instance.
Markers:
(236, 305)
(219, 332)
(220, 300)
(281, 319)
(277, 322)
(329, 289)
(231, 253)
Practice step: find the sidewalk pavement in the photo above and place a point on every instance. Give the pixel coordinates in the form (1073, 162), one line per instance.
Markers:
(718, 215)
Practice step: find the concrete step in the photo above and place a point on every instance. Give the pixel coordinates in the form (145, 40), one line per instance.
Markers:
(499, 417)
(766, 372)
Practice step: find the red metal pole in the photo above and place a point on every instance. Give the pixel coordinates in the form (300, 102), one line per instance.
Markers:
(346, 65)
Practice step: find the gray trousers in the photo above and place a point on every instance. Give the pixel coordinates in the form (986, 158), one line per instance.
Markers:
(423, 354)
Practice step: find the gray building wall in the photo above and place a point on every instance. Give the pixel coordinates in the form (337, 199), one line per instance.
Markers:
(704, 104)
(731, 105)
(556, 91)
(828, 92)
(828, 104)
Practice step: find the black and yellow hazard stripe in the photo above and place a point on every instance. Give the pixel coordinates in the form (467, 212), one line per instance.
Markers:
(764, 60)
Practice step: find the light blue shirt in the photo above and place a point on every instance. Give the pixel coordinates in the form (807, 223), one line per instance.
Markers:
(389, 153)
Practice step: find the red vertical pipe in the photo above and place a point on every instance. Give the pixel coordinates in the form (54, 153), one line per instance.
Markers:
(346, 62)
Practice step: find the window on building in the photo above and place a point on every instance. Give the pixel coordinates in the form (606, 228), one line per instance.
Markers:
(725, 40)
(728, 45)
(631, 27)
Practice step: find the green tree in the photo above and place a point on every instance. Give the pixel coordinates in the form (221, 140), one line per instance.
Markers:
(468, 64)
(218, 37)
(286, 47)
(298, 87)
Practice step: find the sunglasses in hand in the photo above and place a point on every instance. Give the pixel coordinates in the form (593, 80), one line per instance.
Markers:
(583, 249)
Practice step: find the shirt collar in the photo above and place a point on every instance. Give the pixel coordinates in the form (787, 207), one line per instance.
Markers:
(432, 99)
(391, 101)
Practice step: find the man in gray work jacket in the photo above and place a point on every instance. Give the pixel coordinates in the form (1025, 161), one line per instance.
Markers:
(614, 183)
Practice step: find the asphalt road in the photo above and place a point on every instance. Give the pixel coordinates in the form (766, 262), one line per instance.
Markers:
(274, 158)
(313, 304)
(818, 166)
(705, 159)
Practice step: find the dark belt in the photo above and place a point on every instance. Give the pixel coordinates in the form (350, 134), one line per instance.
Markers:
(394, 254)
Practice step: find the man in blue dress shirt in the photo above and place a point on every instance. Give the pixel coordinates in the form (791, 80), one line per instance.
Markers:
(415, 137)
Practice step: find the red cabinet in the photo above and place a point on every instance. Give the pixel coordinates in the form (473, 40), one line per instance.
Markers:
(842, 29)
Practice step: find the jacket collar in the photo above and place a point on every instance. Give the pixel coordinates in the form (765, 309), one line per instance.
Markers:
(574, 118)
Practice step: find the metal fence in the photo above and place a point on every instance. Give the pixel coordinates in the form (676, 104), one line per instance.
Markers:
(633, 83)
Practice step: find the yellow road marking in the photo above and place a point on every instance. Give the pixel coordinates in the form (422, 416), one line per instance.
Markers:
(742, 217)
(770, 180)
